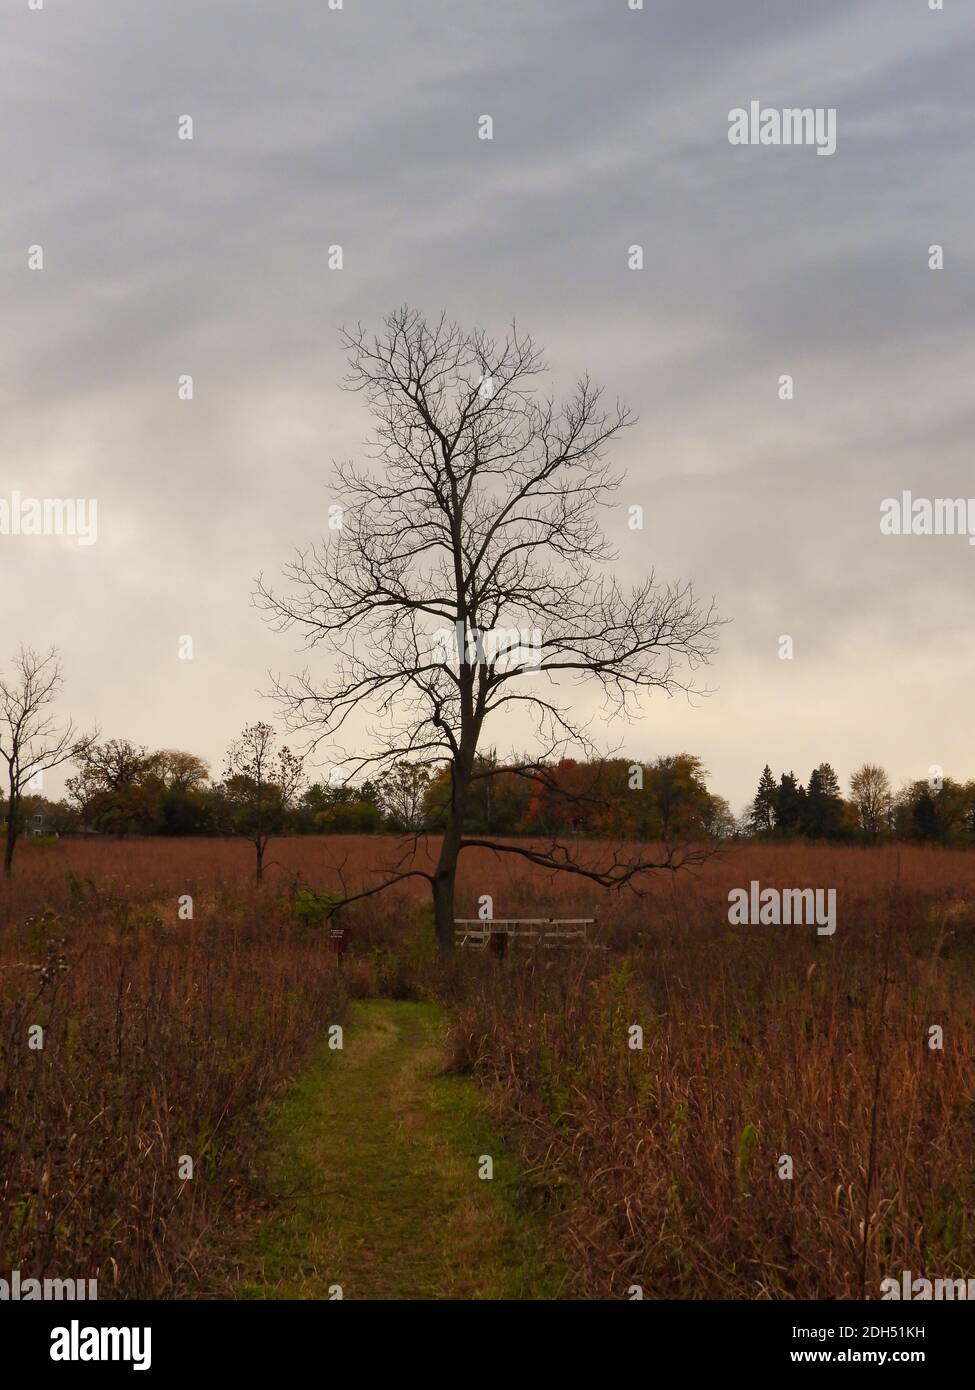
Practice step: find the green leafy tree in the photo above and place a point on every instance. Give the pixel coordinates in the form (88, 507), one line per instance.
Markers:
(718, 819)
(339, 810)
(117, 788)
(678, 790)
(402, 791)
(924, 817)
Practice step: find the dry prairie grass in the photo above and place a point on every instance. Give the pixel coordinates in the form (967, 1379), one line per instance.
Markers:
(662, 1165)
(658, 1166)
(157, 1043)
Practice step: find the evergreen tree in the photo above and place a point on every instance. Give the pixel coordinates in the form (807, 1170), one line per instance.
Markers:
(762, 817)
(790, 801)
(823, 812)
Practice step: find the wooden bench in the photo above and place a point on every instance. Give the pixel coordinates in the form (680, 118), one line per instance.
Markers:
(572, 933)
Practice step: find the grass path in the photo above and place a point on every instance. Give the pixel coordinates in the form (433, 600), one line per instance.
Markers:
(373, 1170)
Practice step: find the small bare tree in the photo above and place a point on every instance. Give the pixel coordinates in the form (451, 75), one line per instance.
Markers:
(260, 787)
(468, 581)
(32, 741)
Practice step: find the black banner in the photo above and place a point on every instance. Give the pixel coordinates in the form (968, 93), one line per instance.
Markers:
(164, 1339)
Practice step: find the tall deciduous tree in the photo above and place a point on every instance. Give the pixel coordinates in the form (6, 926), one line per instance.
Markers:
(871, 793)
(111, 786)
(469, 581)
(680, 795)
(32, 740)
(402, 793)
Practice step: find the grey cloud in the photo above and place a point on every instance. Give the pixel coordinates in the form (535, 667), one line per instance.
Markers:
(357, 127)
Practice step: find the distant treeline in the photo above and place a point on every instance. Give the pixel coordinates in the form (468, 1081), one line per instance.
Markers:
(120, 789)
(937, 810)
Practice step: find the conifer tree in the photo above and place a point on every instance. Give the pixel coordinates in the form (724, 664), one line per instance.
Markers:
(763, 807)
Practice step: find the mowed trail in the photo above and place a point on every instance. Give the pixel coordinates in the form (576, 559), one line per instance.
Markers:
(373, 1176)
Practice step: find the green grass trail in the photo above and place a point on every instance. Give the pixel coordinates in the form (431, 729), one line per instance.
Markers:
(373, 1175)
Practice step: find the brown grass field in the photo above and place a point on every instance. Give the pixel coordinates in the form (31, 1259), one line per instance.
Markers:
(656, 1167)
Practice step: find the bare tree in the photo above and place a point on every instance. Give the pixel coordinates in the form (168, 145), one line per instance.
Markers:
(468, 580)
(32, 740)
(260, 787)
(872, 796)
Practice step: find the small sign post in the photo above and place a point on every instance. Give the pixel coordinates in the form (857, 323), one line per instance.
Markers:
(338, 940)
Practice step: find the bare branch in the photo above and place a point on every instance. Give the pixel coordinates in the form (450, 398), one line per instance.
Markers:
(478, 515)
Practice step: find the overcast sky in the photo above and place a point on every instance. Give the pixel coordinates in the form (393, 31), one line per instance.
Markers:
(359, 126)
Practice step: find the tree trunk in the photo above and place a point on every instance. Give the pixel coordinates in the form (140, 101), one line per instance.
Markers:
(260, 847)
(8, 850)
(443, 890)
(13, 816)
(445, 878)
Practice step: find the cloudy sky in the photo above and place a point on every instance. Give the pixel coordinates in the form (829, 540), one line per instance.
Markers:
(358, 126)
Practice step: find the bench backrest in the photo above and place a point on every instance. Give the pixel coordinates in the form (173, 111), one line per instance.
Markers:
(475, 932)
